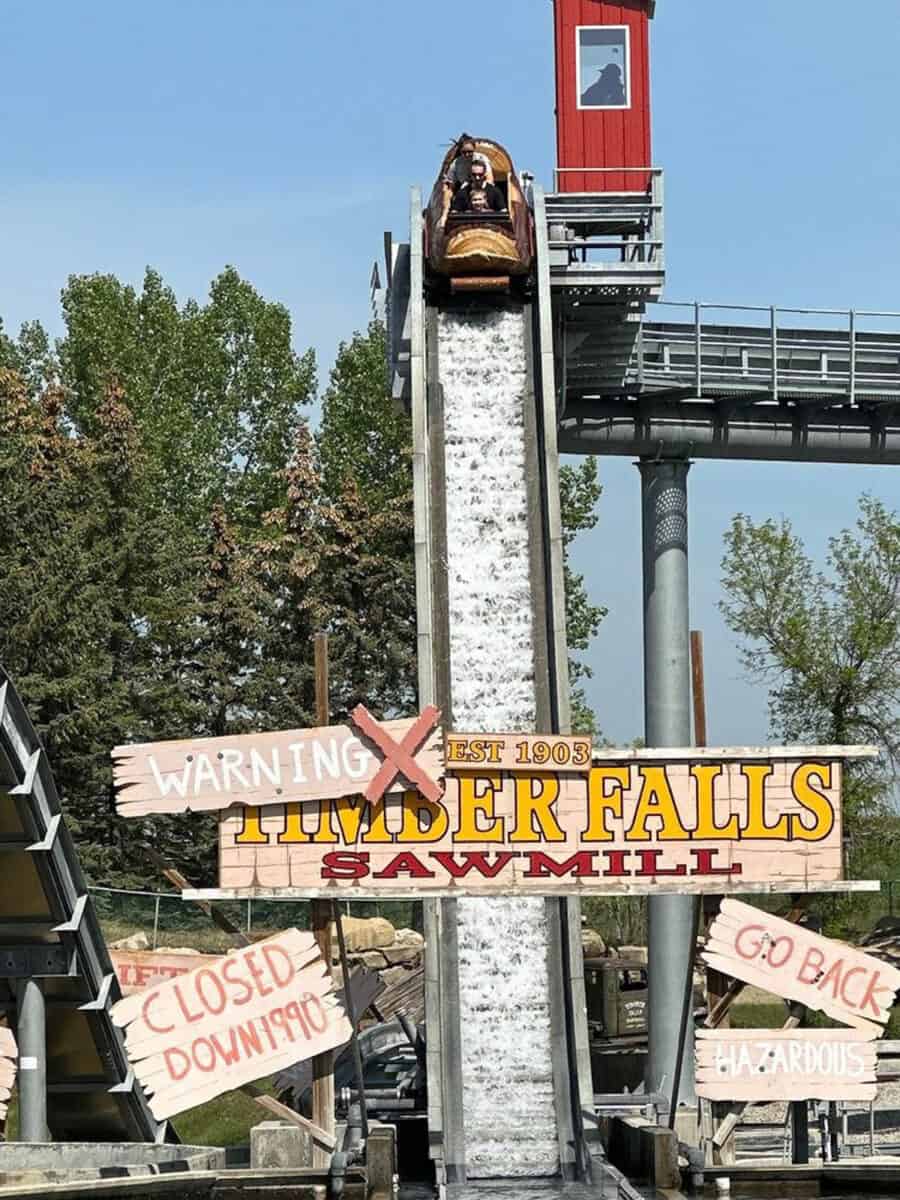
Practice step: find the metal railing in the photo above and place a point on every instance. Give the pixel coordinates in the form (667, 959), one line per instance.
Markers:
(628, 225)
(845, 360)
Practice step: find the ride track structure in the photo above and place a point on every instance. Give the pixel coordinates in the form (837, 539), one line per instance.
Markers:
(490, 1145)
(57, 983)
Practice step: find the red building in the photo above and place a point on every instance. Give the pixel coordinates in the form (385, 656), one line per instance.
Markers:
(602, 94)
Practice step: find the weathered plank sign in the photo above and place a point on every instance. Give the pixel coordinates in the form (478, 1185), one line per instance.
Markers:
(787, 960)
(368, 758)
(257, 1010)
(765, 1065)
(637, 822)
(302, 765)
(137, 969)
(9, 1056)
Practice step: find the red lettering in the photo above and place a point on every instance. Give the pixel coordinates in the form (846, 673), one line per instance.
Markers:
(277, 1017)
(474, 860)
(541, 865)
(405, 863)
(853, 971)
(144, 974)
(272, 952)
(229, 966)
(185, 1012)
(749, 949)
(258, 974)
(219, 1000)
(704, 864)
(615, 863)
(145, 1010)
(789, 942)
(650, 865)
(868, 1000)
(309, 1001)
(811, 967)
(832, 978)
(170, 1061)
(345, 864)
(210, 1055)
(294, 1014)
(250, 1039)
(229, 1055)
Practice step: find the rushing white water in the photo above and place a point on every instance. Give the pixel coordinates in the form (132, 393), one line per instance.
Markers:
(510, 1119)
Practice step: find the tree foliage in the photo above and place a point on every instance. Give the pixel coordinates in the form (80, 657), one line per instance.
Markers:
(174, 534)
(580, 491)
(826, 643)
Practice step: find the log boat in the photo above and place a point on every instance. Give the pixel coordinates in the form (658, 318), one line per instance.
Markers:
(479, 251)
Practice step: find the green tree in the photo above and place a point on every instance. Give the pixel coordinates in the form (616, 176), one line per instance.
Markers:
(580, 491)
(826, 643)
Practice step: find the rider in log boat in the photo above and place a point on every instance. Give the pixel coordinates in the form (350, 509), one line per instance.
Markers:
(479, 234)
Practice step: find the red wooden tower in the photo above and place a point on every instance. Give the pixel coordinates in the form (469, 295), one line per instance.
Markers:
(602, 94)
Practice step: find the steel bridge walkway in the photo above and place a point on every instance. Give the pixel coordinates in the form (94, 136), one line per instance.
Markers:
(49, 932)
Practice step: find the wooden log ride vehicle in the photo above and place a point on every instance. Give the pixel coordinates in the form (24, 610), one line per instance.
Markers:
(479, 251)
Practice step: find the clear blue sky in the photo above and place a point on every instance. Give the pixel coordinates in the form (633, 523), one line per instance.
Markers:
(282, 137)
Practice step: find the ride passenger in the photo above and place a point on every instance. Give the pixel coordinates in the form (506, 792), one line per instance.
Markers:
(478, 195)
(460, 172)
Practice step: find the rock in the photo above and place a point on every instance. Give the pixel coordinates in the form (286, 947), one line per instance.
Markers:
(408, 937)
(373, 959)
(365, 933)
(137, 941)
(402, 954)
(592, 944)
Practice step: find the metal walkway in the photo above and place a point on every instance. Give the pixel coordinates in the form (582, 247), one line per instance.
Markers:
(49, 933)
(769, 385)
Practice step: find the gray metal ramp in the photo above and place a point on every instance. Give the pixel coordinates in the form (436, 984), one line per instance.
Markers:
(49, 931)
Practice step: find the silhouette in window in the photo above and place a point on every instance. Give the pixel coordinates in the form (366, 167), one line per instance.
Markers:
(608, 91)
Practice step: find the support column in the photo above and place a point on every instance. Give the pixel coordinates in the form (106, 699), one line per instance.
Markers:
(667, 722)
(31, 1036)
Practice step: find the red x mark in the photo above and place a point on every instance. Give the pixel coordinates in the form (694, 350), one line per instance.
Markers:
(398, 756)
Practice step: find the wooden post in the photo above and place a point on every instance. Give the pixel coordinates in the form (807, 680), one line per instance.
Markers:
(717, 984)
(322, 1064)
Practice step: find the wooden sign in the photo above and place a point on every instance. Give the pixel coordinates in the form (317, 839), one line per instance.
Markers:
(765, 1065)
(255, 1011)
(206, 774)
(9, 1057)
(137, 970)
(789, 961)
(635, 822)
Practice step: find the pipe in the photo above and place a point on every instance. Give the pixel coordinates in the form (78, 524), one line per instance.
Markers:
(772, 434)
(31, 1033)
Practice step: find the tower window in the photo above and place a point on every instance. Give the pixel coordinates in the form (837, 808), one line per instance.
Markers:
(604, 66)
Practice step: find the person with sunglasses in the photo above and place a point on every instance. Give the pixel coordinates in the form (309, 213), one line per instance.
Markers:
(460, 172)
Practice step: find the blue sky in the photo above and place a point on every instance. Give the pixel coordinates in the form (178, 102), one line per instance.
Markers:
(282, 137)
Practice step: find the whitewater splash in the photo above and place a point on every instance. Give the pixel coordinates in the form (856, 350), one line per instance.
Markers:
(510, 1117)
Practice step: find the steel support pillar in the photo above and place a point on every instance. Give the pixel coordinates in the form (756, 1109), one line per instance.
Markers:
(667, 722)
(31, 1035)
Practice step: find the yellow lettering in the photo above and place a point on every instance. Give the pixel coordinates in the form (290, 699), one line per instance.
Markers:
(531, 805)
(341, 821)
(456, 750)
(656, 800)
(251, 830)
(813, 801)
(293, 829)
(411, 830)
(475, 803)
(756, 775)
(600, 803)
(706, 775)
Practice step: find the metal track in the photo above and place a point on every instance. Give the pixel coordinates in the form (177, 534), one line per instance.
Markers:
(561, 919)
(49, 931)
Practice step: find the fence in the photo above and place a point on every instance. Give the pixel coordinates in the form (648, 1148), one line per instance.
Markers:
(167, 920)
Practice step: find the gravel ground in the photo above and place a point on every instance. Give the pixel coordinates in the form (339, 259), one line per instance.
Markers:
(887, 1124)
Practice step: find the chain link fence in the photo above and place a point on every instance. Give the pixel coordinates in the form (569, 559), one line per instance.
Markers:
(168, 921)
